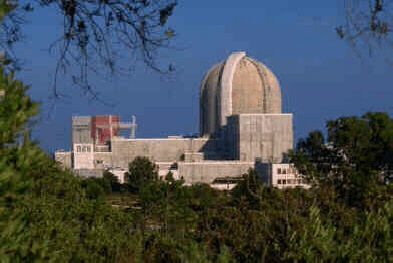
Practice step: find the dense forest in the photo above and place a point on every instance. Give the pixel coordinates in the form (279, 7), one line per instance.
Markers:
(51, 214)
(48, 214)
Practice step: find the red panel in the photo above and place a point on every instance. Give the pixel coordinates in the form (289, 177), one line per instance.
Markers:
(100, 126)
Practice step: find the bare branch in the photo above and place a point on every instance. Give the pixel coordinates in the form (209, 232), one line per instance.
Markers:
(368, 24)
(97, 33)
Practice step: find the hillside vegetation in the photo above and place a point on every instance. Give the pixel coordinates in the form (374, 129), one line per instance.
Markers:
(48, 214)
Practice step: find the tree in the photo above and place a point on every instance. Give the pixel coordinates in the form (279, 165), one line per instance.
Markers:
(96, 188)
(112, 180)
(356, 155)
(45, 213)
(140, 172)
(249, 189)
(16, 109)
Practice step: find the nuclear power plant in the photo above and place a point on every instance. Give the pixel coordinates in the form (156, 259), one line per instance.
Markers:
(241, 127)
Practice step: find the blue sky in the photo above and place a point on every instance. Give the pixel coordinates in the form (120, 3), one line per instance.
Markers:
(320, 75)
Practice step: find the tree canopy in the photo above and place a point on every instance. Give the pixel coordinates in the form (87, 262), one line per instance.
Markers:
(356, 154)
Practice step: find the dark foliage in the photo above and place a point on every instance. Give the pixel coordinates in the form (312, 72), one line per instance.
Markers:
(356, 156)
(140, 172)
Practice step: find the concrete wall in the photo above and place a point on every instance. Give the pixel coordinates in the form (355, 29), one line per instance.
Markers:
(191, 157)
(83, 156)
(103, 159)
(207, 171)
(164, 168)
(64, 158)
(264, 137)
(81, 129)
(124, 151)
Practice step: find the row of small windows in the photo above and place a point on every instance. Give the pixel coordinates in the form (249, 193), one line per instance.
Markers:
(286, 171)
(83, 149)
(290, 181)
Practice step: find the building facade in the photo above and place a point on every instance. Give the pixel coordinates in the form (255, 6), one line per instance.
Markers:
(241, 127)
(282, 175)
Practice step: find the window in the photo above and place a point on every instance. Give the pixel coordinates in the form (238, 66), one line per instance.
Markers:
(85, 149)
(88, 149)
(284, 171)
(278, 181)
(173, 166)
(284, 181)
(78, 148)
(279, 170)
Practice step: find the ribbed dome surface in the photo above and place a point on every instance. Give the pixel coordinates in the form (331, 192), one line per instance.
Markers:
(239, 85)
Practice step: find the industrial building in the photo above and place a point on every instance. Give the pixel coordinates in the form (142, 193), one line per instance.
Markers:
(241, 126)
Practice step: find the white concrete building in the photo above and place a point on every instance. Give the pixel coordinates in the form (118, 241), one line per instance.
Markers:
(241, 127)
(119, 173)
(283, 175)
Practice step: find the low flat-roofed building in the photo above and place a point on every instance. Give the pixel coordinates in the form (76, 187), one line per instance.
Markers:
(283, 175)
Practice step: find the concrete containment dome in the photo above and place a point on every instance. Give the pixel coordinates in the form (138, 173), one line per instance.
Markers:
(239, 85)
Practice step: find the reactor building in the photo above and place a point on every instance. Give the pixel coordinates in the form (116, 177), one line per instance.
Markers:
(241, 127)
